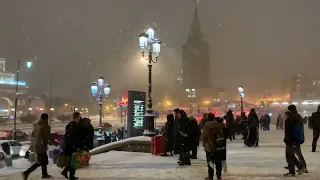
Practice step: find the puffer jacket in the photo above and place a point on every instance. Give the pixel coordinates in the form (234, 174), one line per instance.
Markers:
(207, 134)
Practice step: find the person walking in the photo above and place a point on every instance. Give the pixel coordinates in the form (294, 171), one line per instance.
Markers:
(315, 124)
(214, 145)
(292, 124)
(42, 133)
(224, 152)
(168, 135)
(72, 143)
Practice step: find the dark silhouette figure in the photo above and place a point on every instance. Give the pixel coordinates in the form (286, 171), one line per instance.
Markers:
(176, 135)
(72, 143)
(315, 123)
(184, 134)
(86, 135)
(168, 135)
(253, 126)
(230, 124)
(195, 134)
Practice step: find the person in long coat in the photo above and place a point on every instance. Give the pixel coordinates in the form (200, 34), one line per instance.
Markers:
(184, 133)
(71, 144)
(168, 135)
(87, 134)
(253, 126)
(176, 135)
(195, 133)
(42, 132)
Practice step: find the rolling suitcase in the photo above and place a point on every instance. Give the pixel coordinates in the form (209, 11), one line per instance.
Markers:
(157, 145)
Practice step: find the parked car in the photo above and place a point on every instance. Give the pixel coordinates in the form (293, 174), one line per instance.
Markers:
(9, 148)
(8, 134)
(56, 138)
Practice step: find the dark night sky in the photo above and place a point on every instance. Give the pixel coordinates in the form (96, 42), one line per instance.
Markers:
(253, 42)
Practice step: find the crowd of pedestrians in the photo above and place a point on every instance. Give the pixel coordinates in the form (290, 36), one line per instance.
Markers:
(78, 136)
(183, 134)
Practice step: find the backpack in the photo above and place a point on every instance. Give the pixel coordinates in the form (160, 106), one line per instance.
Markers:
(218, 139)
(298, 131)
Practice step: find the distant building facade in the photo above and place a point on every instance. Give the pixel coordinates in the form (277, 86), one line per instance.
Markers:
(195, 57)
(301, 87)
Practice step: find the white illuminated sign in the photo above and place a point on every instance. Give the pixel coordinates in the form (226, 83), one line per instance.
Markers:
(138, 109)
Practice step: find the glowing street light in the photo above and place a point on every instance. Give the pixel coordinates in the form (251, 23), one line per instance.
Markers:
(100, 91)
(241, 92)
(148, 42)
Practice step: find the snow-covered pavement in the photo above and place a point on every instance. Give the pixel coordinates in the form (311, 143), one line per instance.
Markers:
(263, 163)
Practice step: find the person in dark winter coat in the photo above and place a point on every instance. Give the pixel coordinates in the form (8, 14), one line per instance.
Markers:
(253, 127)
(315, 123)
(195, 133)
(213, 156)
(244, 127)
(292, 148)
(86, 135)
(176, 135)
(224, 153)
(184, 134)
(42, 133)
(72, 143)
(168, 135)
(203, 120)
(230, 124)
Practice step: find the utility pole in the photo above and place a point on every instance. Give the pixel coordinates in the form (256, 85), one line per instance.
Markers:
(16, 102)
(50, 99)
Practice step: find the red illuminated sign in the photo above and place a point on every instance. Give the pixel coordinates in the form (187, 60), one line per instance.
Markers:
(124, 100)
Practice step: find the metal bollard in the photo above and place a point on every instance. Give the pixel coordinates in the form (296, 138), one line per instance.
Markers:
(8, 161)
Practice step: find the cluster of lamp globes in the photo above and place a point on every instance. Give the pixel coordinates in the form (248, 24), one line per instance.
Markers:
(148, 41)
(241, 91)
(100, 87)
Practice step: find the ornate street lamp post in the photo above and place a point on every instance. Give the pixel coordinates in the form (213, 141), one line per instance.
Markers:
(241, 91)
(100, 91)
(152, 45)
(28, 65)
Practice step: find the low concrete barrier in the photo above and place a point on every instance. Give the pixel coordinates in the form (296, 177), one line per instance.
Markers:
(134, 144)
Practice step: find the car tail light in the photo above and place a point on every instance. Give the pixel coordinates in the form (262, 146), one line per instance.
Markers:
(56, 140)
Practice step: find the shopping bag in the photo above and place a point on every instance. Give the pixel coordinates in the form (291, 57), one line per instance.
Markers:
(63, 161)
(80, 159)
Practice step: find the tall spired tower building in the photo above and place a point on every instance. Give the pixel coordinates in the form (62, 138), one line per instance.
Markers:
(195, 57)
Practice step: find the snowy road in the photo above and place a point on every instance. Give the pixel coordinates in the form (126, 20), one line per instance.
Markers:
(263, 163)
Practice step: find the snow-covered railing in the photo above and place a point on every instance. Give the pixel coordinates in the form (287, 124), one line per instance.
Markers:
(140, 140)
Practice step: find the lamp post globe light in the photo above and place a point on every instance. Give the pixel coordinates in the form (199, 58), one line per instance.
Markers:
(241, 92)
(149, 43)
(100, 91)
